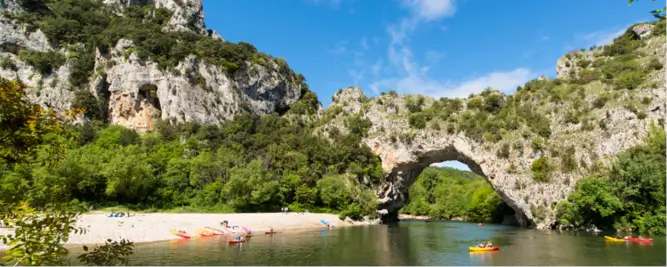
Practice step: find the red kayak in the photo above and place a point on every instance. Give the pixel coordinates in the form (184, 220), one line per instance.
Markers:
(639, 240)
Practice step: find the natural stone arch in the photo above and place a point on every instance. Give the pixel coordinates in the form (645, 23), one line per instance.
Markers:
(406, 150)
(393, 195)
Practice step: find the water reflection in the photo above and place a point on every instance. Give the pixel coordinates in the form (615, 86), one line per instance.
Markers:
(405, 243)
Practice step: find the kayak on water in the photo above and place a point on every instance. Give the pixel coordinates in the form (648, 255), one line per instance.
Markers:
(324, 222)
(247, 230)
(236, 241)
(640, 240)
(483, 249)
(182, 234)
(609, 238)
(269, 233)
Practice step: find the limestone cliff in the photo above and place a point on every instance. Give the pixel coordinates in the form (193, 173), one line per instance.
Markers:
(532, 146)
(135, 88)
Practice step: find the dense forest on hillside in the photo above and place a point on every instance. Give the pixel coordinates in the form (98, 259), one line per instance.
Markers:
(249, 164)
(449, 193)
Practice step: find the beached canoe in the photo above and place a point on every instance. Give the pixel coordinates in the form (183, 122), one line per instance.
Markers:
(483, 249)
(269, 233)
(182, 234)
(609, 238)
(206, 232)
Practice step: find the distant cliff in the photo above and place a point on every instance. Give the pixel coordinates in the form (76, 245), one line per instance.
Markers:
(130, 62)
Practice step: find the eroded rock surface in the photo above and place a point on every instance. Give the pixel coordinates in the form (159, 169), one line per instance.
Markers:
(604, 131)
(136, 92)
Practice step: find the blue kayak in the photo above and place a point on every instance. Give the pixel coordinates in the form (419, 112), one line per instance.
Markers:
(324, 222)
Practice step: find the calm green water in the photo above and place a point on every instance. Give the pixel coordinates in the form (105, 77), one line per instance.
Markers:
(405, 243)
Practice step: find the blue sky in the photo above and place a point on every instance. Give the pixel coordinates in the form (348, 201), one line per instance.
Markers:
(440, 48)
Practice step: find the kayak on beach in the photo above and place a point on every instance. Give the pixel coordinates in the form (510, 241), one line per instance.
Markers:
(206, 232)
(182, 234)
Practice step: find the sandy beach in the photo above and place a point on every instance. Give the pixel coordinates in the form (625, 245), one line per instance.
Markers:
(151, 227)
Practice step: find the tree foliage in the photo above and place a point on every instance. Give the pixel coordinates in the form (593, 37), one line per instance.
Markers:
(32, 204)
(628, 196)
(449, 193)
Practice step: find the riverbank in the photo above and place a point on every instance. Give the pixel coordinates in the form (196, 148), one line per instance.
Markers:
(428, 218)
(152, 227)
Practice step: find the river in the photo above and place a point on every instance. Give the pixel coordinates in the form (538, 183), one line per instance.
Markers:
(404, 243)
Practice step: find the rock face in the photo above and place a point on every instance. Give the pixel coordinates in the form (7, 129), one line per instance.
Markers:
(136, 92)
(188, 14)
(405, 150)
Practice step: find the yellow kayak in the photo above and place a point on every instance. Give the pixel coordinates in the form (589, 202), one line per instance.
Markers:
(609, 238)
(483, 249)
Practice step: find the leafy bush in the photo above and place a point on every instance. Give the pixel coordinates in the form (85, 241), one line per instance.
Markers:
(8, 64)
(86, 100)
(414, 105)
(418, 120)
(623, 45)
(629, 80)
(43, 62)
(600, 101)
(569, 161)
(541, 170)
(654, 64)
(358, 125)
(504, 151)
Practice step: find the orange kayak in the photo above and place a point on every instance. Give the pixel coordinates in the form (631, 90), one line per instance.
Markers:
(182, 234)
(483, 249)
(269, 233)
(234, 241)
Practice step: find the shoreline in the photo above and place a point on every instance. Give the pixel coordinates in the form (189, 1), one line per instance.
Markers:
(428, 218)
(155, 227)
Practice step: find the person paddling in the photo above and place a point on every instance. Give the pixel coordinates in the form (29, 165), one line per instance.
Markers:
(488, 244)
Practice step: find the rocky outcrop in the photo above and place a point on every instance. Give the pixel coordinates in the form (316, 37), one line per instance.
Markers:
(136, 91)
(187, 14)
(570, 65)
(406, 149)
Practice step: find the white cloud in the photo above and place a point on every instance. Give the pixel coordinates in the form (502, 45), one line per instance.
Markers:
(356, 76)
(435, 56)
(428, 10)
(411, 77)
(601, 38)
(505, 81)
(544, 39)
(377, 67)
(339, 47)
(364, 43)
